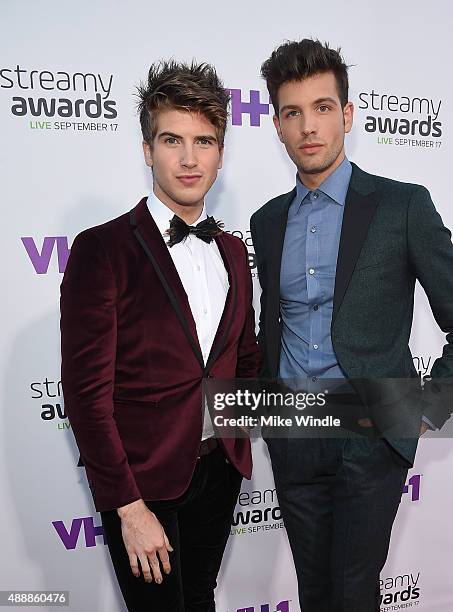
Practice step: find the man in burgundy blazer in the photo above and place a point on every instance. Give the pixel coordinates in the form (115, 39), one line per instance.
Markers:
(133, 366)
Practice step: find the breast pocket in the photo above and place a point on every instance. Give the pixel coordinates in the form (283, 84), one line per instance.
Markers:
(375, 254)
(376, 261)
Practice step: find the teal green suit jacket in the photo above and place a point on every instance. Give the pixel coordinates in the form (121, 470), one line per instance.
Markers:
(391, 236)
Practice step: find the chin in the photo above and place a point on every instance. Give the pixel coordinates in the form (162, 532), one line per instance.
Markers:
(316, 167)
(188, 200)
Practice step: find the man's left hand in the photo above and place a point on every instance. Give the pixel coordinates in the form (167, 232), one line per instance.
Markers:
(423, 428)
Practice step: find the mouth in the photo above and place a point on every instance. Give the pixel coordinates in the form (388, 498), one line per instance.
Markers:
(311, 148)
(189, 179)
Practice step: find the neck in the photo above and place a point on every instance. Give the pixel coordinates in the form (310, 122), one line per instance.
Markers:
(313, 181)
(187, 212)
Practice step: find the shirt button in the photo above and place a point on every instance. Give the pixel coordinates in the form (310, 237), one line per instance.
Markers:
(315, 346)
(314, 378)
(198, 268)
(313, 229)
(311, 271)
(315, 307)
(315, 195)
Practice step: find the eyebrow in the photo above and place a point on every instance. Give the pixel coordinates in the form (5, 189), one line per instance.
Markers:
(205, 136)
(318, 101)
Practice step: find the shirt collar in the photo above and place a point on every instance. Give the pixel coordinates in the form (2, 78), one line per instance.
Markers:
(162, 215)
(335, 185)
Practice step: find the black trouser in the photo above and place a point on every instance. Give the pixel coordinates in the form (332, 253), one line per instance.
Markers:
(338, 499)
(197, 525)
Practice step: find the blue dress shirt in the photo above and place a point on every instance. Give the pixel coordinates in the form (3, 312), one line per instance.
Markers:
(307, 278)
(307, 283)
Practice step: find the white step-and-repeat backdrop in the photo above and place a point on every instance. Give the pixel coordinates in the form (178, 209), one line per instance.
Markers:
(71, 158)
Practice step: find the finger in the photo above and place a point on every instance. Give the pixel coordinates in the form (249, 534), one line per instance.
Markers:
(365, 422)
(145, 568)
(168, 546)
(155, 568)
(133, 561)
(163, 556)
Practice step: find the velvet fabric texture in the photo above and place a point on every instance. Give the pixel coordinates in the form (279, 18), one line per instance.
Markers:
(131, 368)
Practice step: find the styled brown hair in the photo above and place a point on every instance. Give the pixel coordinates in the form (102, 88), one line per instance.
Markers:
(177, 85)
(295, 61)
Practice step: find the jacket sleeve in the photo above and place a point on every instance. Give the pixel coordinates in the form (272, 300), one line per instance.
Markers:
(88, 349)
(249, 354)
(431, 258)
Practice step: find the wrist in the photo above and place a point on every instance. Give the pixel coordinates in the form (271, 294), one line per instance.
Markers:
(125, 510)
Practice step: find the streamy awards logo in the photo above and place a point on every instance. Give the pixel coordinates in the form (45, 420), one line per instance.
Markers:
(59, 100)
(399, 120)
(48, 396)
(400, 592)
(256, 511)
(246, 237)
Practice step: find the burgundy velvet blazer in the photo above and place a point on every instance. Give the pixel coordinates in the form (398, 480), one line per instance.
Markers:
(132, 366)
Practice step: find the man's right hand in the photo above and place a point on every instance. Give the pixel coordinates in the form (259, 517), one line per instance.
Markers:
(145, 541)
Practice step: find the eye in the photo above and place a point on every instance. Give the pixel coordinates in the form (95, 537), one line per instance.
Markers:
(204, 141)
(324, 108)
(171, 140)
(293, 113)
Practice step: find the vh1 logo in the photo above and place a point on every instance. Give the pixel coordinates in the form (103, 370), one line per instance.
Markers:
(254, 107)
(412, 487)
(40, 256)
(283, 606)
(70, 537)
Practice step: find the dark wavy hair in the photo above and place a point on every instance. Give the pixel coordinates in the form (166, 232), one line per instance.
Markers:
(295, 61)
(176, 85)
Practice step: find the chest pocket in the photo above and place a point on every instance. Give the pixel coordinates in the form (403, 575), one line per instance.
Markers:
(379, 249)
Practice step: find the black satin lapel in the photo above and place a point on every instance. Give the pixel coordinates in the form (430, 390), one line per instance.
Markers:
(146, 232)
(275, 236)
(230, 303)
(357, 216)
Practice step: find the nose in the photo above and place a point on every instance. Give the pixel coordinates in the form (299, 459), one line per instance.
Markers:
(308, 125)
(188, 159)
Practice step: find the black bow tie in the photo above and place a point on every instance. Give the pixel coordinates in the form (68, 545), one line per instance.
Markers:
(205, 230)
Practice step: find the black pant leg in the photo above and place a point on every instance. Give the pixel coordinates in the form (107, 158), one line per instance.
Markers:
(367, 494)
(139, 595)
(304, 471)
(204, 526)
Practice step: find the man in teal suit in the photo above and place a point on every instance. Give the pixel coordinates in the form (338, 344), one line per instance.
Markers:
(338, 258)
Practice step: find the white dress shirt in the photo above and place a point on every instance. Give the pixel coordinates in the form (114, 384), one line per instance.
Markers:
(204, 278)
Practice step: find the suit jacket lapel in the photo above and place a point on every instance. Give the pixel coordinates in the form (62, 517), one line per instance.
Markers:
(360, 206)
(230, 302)
(151, 241)
(274, 237)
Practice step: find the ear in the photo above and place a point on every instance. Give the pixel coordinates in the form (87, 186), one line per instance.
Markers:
(221, 150)
(147, 152)
(276, 121)
(348, 116)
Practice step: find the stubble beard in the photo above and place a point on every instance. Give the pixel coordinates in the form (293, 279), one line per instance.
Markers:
(323, 165)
